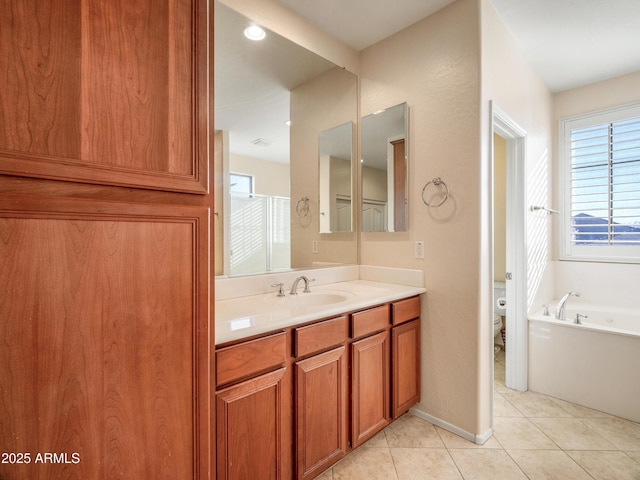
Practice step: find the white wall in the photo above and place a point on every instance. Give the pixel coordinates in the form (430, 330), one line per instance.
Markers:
(605, 283)
(511, 83)
(278, 19)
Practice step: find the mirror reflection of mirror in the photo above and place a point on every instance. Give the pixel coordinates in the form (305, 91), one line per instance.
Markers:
(384, 166)
(256, 85)
(335, 187)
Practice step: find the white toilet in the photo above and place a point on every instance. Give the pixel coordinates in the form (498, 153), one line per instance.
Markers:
(499, 310)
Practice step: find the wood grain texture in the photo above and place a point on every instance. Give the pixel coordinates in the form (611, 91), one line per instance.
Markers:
(370, 321)
(40, 66)
(106, 91)
(249, 429)
(104, 310)
(405, 310)
(399, 186)
(405, 364)
(370, 390)
(320, 336)
(249, 358)
(321, 412)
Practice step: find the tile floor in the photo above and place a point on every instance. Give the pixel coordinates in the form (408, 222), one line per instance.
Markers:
(535, 437)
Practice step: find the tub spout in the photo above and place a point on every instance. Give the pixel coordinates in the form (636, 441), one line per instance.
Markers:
(561, 305)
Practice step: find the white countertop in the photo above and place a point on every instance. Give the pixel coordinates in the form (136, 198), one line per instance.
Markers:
(242, 317)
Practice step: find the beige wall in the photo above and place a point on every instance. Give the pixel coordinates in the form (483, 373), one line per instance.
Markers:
(323, 103)
(434, 67)
(271, 178)
(499, 208)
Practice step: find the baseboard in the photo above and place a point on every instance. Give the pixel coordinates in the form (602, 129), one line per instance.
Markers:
(477, 439)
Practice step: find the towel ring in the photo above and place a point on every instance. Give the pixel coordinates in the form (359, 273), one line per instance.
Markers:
(436, 181)
(302, 207)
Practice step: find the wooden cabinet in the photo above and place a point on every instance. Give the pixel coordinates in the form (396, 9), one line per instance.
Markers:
(321, 396)
(369, 387)
(321, 412)
(335, 385)
(369, 373)
(405, 355)
(251, 414)
(105, 334)
(111, 93)
(106, 314)
(405, 364)
(249, 428)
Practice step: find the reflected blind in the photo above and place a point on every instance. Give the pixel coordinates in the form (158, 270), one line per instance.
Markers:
(605, 184)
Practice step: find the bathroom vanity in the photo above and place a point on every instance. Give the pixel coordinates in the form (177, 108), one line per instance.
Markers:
(292, 400)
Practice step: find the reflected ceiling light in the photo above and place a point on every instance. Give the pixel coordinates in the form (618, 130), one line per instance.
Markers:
(288, 123)
(254, 32)
(377, 112)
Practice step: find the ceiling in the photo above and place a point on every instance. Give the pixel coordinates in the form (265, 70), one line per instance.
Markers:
(569, 43)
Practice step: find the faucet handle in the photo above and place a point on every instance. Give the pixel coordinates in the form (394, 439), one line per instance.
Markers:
(280, 290)
(306, 286)
(579, 318)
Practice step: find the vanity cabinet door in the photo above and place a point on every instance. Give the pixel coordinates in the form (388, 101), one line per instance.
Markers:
(250, 428)
(321, 412)
(369, 386)
(405, 365)
(108, 93)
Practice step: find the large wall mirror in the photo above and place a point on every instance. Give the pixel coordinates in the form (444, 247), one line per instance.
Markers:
(273, 99)
(384, 159)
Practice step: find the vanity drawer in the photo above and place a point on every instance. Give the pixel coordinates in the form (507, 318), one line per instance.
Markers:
(405, 310)
(369, 321)
(320, 336)
(250, 358)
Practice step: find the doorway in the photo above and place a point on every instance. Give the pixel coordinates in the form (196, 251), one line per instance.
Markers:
(515, 251)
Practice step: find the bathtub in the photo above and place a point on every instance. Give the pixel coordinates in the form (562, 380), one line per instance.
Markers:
(595, 364)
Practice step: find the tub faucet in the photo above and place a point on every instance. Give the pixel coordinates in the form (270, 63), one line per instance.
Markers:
(306, 281)
(561, 304)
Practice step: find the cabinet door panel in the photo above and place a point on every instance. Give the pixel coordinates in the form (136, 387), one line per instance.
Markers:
(370, 386)
(321, 411)
(405, 347)
(112, 92)
(105, 333)
(249, 429)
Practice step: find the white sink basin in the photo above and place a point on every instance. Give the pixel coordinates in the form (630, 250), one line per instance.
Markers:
(311, 299)
(321, 298)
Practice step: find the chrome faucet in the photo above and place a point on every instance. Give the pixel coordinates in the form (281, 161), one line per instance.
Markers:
(561, 304)
(306, 281)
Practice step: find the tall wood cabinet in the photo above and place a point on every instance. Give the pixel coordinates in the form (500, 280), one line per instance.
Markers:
(105, 264)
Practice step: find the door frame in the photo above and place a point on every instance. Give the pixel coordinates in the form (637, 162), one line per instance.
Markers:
(516, 357)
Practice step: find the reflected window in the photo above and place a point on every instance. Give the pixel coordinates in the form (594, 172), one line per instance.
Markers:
(240, 183)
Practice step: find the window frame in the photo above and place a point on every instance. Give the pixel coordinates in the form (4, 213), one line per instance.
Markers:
(588, 253)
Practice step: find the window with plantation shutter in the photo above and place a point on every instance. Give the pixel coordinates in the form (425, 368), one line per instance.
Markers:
(601, 181)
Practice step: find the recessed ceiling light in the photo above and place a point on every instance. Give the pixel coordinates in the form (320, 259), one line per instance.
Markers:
(288, 123)
(254, 32)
